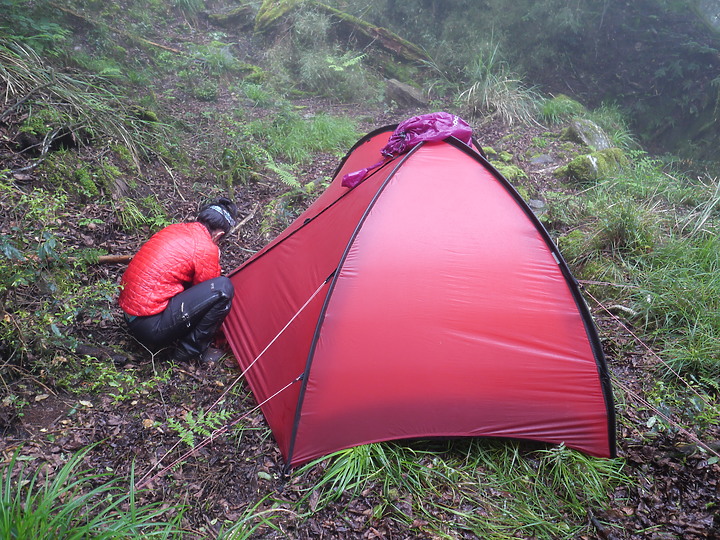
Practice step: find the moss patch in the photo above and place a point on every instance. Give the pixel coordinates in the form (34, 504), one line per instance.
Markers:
(512, 173)
(591, 167)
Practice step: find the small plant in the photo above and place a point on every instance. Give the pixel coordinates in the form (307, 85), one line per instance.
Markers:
(191, 7)
(257, 94)
(89, 375)
(202, 423)
(296, 139)
(252, 520)
(215, 58)
(612, 120)
(147, 212)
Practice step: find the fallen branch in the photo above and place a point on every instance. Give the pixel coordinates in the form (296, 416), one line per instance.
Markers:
(117, 31)
(245, 220)
(101, 259)
(114, 259)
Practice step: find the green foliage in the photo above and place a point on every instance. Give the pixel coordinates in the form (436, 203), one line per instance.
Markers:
(90, 375)
(202, 423)
(560, 108)
(308, 59)
(512, 493)
(41, 294)
(75, 503)
(215, 58)
(679, 299)
(612, 120)
(258, 94)
(30, 24)
(683, 408)
(252, 519)
(277, 148)
(66, 171)
(657, 231)
(190, 7)
(297, 139)
(83, 108)
(147, 212)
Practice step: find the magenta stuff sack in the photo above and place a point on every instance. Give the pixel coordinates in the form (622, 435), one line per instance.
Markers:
(422, 128)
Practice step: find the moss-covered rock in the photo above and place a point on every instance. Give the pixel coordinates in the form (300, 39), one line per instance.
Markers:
(587, 132)
(272, 10)
(591, 167)
(240, 18)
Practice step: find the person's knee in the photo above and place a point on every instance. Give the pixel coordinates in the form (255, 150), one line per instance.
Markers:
(225, 287)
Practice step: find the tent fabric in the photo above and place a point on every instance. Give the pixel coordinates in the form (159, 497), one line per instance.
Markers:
(428, 301)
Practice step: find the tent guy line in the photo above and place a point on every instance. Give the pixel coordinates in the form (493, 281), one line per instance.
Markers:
(647, 348)
(144, 481)
(242, 375)
(147, 479)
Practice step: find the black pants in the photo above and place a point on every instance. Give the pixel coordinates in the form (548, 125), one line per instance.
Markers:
(191, 318)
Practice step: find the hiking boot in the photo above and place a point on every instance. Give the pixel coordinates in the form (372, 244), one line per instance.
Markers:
(211, 355)
(182, 356)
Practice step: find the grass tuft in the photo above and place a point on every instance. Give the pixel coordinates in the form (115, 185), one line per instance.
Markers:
(495, 90)
(73, 503)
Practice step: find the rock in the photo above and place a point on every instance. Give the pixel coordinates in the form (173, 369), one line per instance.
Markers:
(588, 133)
(589, 168)
(403, 94)
(537, 205)
(239, 18)
(542, 159)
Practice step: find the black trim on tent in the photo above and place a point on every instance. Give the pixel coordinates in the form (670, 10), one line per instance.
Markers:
(323, 311)
(572, 283)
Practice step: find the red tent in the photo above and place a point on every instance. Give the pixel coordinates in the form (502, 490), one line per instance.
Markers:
(428, 301)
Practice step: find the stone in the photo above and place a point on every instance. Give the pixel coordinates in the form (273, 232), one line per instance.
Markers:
(403, 94)
(587, 132)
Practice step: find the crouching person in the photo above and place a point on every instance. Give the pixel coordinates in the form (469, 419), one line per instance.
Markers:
(172, 291)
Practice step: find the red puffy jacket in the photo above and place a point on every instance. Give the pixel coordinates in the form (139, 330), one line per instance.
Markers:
(174, 259)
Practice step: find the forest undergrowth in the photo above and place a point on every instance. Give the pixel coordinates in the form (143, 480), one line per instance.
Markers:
(119, 119)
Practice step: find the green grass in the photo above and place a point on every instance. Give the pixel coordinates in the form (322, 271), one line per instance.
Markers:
(296, 139)
(87, 106)
(494, 89)
(75, 503)
(679, 301)
(491, 489)
(655, 231)
(560, 108)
